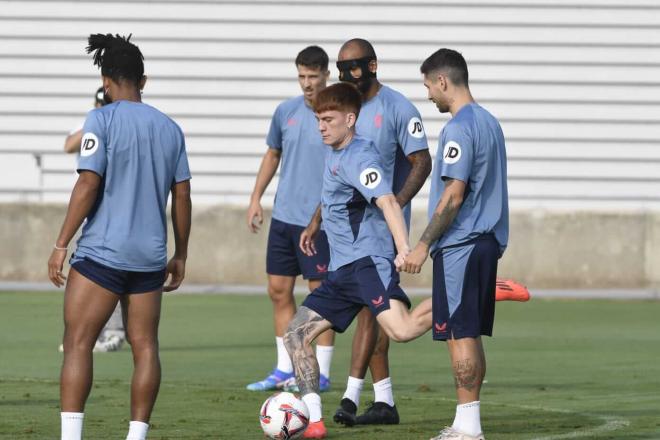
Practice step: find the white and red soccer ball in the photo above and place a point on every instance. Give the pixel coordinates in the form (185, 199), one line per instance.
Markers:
(284, 416)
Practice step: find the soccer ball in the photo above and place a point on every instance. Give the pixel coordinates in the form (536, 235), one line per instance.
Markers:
(284, 416)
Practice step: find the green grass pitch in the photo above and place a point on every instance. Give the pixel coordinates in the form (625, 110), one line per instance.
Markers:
(556, 370)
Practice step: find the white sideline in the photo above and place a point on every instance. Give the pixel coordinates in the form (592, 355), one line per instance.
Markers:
(243, 289)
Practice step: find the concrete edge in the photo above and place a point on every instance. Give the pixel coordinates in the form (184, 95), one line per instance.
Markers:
(241, 289)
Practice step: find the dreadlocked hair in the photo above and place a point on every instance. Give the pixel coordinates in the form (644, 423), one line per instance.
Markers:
(117, 57)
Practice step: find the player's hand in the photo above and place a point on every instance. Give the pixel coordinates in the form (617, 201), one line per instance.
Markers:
(55, 265)
(307, 239)
(415, 260)
(176, 271)
(400, 259)
(255, 217)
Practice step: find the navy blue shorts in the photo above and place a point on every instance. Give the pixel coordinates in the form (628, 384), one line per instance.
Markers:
(284, 257)
(120, 281)
(464, 289)
(369, 281)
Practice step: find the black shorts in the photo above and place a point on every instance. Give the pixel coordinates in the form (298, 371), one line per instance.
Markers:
(120, 281)
(464, 279)
(369, 281)
(284, 256)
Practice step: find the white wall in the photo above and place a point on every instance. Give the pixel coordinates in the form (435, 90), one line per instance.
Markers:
(575, 83)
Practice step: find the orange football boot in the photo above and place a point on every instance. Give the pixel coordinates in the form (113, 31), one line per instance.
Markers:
(509, 290)
(316, 430)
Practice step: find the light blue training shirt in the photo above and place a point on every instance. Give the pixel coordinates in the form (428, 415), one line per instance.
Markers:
(139, 153)
(353, 178)
(294, 131)
(395, 126)
(471, 149)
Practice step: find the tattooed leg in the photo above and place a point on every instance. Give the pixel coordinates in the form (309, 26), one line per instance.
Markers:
(305, 326)
(469, 366)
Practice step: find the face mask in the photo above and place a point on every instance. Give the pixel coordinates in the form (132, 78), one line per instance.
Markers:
(346, 66)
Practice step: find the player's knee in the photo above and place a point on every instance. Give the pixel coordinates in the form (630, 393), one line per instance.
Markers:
(280, 294)
(142, 343)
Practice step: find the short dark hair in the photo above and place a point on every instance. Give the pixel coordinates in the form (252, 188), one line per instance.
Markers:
(117, 57)
(450, 61)
(313, 56)
(366, 47)
(342, 96)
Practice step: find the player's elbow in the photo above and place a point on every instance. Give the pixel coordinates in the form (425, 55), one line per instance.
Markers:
(386, 202)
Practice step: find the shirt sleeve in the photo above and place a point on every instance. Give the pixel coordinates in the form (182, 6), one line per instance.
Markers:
(457, 153)
(93, 148)
(409, 128)
(182, 172)
(364, 172)
(274, 138)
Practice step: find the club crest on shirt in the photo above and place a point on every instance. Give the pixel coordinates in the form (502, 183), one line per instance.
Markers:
(452, 153)
(415, 127)
(370, 178)
(89, 144)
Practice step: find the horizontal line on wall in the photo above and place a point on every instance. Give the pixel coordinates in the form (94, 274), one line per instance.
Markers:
(358, 3)
(191, 78)
(101, 19)
(216, 116)
(305, 41)
(219, 97)
(413, 61)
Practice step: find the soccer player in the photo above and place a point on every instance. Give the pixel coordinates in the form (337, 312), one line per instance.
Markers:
(467, 233)
(132, 156)
(294, 140)
(393, 123)
(361, 216)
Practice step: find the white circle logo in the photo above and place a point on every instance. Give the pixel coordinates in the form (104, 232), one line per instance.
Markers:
(415, 127)
(452, 153)
(370, 178)
(89, 144)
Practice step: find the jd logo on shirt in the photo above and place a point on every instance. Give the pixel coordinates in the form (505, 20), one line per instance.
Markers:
(89, 144)
(415, 127)
(452, 153)
(370, 178)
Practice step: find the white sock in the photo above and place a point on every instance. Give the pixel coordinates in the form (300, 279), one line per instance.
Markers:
(313, 402)
(72, 424)
(383, 391)
(283, 358)
(324, 356)
(137, 430)
(468, 418)
(353, 389)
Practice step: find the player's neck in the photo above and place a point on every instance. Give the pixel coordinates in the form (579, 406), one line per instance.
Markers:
(373, 91)
(127, 95)
(460, 100)
(344, 143)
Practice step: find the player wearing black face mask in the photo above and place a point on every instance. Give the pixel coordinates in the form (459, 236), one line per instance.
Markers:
(391, 121)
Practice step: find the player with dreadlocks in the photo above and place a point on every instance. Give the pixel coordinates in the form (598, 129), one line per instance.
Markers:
(131, 157)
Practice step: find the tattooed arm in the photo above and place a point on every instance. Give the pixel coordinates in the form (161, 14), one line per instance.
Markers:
(444, 215)
(305, 326)
(421, 168)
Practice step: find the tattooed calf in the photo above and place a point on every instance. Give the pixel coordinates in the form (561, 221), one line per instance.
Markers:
(304, 327)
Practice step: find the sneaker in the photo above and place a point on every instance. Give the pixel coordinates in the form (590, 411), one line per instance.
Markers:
(103, 344)
(274, 381)
(509, 290)
(108, 344)
(316, 430)
(450, 433)
(291, 386)
(379, 413)
(346, 412)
